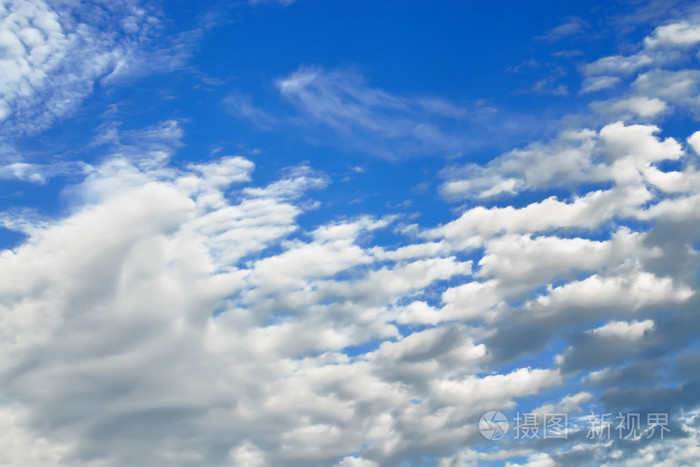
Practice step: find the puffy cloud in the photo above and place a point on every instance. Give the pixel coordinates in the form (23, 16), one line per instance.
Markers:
(175, 278)
(665, 45)
(682, 33)
(631, 107)
(522, 263)
(678, 87)
(618, 64)
(54, 52)
(694, 141)
(567, 157)
(155, 276)
(623, 330)
(618, 152)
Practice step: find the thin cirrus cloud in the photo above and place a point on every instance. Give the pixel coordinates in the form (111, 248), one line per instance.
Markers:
(367, 119)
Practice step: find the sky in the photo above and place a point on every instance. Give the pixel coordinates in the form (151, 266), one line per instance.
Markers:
(349, 233)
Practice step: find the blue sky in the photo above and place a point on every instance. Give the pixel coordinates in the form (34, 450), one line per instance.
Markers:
(338, 233)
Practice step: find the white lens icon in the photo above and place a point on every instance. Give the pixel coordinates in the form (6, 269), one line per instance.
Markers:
(494, 425)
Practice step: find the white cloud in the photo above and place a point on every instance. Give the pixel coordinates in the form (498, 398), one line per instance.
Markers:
(356, 462)
(567, 405)
(665, 45)
(163, 266)
(572, 27)
(35, 173)
(538, 165)
(679, 88)
(682, 33)
(598, 83)
(630, 290)
(572, 158)
(585, 212)
(694, 141)
(618, 64)
(370, 118)
(523, 263)
(242, 106)
(150, 261)
(631, 107)
(624, 330)
(536, 460)
(495, 388)
(54, 52)
(247, 455)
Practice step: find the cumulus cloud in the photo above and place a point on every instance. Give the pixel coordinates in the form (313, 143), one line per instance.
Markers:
(618, 152)
(631, 107)
(660, 81)
(197, 271)
(620, 329)
(165, 268)
(665, 45)
(682, 33)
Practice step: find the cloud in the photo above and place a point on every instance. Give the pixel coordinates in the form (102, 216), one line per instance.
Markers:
(618, 152)
(623, 330)
(598, 83)
(36, 173)
(630, 108)
(198, 271)
(677, 34)
(242, 106)
(666, 45)
(281, 2)
(694, 142)
(339, 108)
(546, 86)
(618, 64)
(679, 88)
(379, 122)
(573, 27)
(54, 53)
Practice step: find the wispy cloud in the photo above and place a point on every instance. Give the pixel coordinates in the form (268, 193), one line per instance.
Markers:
(37, 173)
(372, 120)
(242, 106)
(573, 27)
